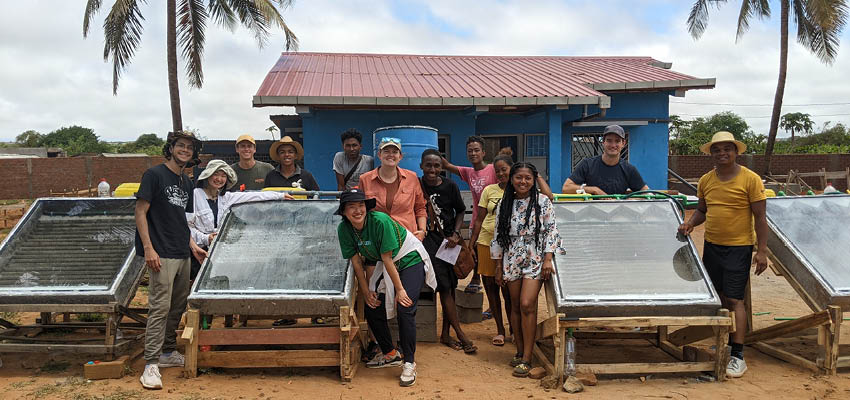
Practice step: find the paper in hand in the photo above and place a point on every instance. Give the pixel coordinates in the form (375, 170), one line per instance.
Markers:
(448, 254)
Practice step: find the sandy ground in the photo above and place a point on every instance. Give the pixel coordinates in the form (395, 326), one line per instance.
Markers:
(445, 373)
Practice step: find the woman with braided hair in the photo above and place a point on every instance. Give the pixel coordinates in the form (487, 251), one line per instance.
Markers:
(524, 246)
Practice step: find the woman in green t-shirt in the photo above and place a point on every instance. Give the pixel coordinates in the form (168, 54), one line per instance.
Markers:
(399, 265)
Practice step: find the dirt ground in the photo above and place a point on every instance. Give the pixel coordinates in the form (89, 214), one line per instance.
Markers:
(444, 373)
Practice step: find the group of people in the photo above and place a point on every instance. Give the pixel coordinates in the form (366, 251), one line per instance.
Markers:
(394, 223)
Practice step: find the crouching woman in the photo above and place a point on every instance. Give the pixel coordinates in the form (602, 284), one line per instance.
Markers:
(401, 266)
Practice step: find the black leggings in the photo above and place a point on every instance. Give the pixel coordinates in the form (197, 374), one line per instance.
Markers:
(412, 278)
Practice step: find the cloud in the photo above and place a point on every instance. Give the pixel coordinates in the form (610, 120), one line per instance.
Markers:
(51, 77)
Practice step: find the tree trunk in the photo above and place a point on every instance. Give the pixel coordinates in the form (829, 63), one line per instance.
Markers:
(780, 85)
(171, 45)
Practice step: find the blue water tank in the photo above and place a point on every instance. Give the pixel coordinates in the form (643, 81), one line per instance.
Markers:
(414, 141)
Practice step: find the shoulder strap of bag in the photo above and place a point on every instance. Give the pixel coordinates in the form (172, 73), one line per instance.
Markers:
(351, 172)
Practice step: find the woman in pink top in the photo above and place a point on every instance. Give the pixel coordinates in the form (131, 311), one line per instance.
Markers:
(479, 176)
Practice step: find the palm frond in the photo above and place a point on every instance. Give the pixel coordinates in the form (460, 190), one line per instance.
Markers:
(819, 26)
(698, 17)
(271, 13)
(222, 14)
(122, 30)
(191, 28)
(251, 17)
(749, 9)
(92, 7)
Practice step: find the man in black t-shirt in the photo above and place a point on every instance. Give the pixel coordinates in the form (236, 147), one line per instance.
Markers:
(162, 238)
(445, 217)
(606, 173)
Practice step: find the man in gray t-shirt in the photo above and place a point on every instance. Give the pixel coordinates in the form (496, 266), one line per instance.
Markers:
(350, 159)
(250, 173)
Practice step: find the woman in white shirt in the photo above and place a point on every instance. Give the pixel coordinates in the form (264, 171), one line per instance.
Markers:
(212, 202)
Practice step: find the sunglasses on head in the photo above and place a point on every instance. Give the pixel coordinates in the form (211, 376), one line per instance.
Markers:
(391, 140)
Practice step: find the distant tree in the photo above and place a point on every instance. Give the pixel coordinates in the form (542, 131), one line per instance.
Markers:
(819, 24)
(185, 26)
(148, 143)
(797, 122)
(687, 136)
(149, 139)
(272, 129)
(75, 140)
(29, 138)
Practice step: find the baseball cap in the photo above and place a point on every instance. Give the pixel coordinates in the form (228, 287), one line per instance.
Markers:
(390, 141)
(615, 129)
(246, 137)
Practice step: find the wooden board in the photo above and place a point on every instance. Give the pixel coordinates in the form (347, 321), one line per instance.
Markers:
(644, 322)
(60, 308)
(268, 358)
(646, 368)
(785, 356)
(784, 328)
(690, 334)
(253, 336)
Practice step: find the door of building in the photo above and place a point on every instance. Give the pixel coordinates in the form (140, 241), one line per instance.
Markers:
(528, 147)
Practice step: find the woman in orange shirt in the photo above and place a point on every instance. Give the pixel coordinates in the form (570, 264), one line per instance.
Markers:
(396, 190)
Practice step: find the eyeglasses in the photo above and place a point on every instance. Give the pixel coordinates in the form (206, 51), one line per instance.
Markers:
(180, 145)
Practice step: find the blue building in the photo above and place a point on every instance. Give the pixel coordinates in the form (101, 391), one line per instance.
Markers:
(549, 110)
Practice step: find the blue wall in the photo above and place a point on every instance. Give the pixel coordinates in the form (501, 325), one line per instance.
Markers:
(647, 146)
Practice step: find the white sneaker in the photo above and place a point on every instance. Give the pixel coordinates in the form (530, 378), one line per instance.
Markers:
(408, 374)
(151, 379)
(174, 359)
(736, 367)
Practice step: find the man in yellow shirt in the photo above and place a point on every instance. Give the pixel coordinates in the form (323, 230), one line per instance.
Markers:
(731, 202)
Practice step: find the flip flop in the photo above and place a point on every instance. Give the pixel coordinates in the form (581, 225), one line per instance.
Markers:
(453, 344)
(470, 348)
(472, 288)
(486, 315)
(498, 340)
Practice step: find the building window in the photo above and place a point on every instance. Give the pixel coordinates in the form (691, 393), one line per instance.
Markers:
(443, 145)
(535, 146)
(587, 145)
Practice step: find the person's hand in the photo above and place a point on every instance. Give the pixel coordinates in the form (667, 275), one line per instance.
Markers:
(420, 234)
(760, 260)
(686, 228)
(211, 237)
(401, 298)
(152, 259)
(199, 253)
(547, 270)
(453, 240)
(372, 299)
(286, 196)
(594, 190)
(500, 281)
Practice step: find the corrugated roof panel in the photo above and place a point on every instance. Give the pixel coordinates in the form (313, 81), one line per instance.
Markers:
(411, 76)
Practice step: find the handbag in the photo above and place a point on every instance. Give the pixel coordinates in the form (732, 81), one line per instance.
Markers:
(464, 263)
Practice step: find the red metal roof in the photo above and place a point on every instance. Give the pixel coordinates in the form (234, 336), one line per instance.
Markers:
(331, 78)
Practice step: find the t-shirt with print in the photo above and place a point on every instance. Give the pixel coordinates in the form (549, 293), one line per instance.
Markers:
(170, 198)
(253, 178)
(477, 181)
(380, 235)
(611, 179)
(342, 165)
(490, 198)
(728, 218)
(447, 203)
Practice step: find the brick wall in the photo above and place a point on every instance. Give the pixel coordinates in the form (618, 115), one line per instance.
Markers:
(29, 178)
(692, 167)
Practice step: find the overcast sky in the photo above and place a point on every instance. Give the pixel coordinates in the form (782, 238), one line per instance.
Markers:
(50, 76)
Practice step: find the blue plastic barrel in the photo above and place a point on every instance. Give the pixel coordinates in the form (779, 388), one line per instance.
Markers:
(414, 141)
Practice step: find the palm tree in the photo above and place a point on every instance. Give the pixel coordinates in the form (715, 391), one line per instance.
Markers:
(796, 122)
(819, 25)
(186, 25)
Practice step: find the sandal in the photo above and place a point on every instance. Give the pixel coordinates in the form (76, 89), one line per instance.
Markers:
(522, 369)
(498, 340)
(469, 348)
(473, 287)
(486, 315)
(284, 322)
(452, 344)
(517, 360)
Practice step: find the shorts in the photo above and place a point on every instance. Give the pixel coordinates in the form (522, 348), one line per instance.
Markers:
(486, 265)
(729, 268)
(445, 272)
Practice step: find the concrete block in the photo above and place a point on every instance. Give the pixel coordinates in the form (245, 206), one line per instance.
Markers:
(469, 300)
(469, 315)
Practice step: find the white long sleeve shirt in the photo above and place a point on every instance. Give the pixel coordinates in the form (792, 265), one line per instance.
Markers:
(202, 222)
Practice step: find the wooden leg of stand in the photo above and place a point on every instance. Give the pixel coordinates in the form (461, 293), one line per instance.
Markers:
(720, 342)
(559, 341)
(192, 330)
(344, 343)
(831, 344)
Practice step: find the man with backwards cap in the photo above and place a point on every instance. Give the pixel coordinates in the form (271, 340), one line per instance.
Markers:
(250, 173)
(163, 239)
(731, 202)
(606, 173)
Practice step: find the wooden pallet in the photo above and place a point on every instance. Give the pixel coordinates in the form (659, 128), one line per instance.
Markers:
(314, 341)
(827, 321)
(659, 333)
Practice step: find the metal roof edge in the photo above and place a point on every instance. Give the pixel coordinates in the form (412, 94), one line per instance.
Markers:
(281, 101)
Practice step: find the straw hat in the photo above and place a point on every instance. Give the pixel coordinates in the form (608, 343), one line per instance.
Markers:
(218, 165)
(299, 151)
(721, 137)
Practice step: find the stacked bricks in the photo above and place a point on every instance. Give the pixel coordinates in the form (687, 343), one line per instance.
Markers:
(469, 306)
(426, 318)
